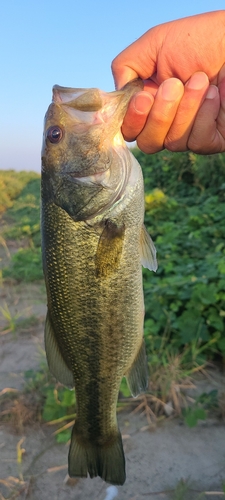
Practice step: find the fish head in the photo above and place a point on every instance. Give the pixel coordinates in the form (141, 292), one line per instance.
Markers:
(83, 166)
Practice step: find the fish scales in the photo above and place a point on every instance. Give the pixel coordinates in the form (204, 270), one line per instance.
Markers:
(92, 268)
(106, 332)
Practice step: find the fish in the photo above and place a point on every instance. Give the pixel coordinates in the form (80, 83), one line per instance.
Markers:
(94, 244)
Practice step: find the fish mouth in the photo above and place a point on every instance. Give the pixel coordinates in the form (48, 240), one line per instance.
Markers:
(94, 106)
(87, 106)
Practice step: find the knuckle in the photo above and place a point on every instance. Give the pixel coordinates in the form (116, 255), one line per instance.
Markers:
(175, 145)
(148, 147)
(114, 65)
(160, 119)
(199, 147)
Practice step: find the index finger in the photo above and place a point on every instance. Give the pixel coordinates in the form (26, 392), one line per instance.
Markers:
(138, 110)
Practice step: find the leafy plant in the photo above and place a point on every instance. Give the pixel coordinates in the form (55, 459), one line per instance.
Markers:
(11, 185)
(58, 403)
(185, 213)
(11, 319)
(15, 322)
(25, 265)
(193, 415)
(21, 221)
(59, 407)
(181, 490)
(202, 404)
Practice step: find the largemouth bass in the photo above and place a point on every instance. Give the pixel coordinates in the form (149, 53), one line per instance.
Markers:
(94, 244)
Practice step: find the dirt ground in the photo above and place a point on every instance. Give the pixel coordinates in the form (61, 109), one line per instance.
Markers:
(156, 460)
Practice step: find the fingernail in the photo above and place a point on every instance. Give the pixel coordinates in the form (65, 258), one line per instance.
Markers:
(197, 81)
(142, 102)
(212, 92)
(171, 89)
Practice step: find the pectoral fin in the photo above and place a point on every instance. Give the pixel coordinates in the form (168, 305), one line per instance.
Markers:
(137, 375)
(109, 249)
(55, 360)
(148, 251)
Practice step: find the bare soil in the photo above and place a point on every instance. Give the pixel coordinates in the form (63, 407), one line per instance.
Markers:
(156, 460)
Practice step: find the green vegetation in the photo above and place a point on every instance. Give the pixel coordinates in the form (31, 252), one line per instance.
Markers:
(185, 211)
(11, 185)
(20, 220)
(16, 322)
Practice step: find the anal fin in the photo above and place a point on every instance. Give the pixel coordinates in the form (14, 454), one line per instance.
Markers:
(137, 375)
(55, 360)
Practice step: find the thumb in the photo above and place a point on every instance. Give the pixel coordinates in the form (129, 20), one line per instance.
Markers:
(137, 60)
(122, 75)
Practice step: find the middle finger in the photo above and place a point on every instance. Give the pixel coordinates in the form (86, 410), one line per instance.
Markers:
(194, 93)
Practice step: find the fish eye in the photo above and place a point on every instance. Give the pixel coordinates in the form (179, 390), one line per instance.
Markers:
(54, 134)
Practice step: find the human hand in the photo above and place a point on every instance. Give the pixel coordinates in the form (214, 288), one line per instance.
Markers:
(171, 120)
(166, 119)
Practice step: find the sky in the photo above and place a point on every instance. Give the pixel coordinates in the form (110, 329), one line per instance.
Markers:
(69, 43)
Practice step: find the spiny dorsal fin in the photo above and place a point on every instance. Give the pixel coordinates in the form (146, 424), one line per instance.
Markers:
(148, 251)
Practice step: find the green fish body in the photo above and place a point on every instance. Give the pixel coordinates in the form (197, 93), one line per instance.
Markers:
(94, 244)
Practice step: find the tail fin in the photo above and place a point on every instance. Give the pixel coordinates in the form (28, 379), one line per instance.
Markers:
(106, 461)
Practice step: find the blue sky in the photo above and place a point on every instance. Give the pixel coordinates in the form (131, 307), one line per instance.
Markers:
(71, 43)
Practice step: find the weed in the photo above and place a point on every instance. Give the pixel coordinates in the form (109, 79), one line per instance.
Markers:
(169, 377)
(16, 322)
(20, 452)
(13, 487)
(25, 265)
(23, 213)
(181, 490)
(4, 245)
(10, 318)
(22, 408)
(193, 415)
(58, 407)
(171, 374)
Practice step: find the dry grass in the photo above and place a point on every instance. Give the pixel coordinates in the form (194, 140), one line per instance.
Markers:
(13, 488)
(20, 411)
(167, 396)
